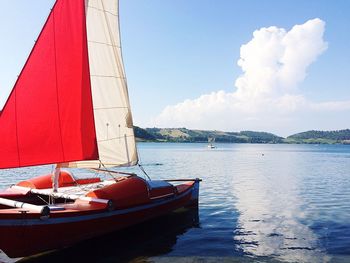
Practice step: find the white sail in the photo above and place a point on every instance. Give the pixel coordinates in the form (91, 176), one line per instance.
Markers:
(113, 119)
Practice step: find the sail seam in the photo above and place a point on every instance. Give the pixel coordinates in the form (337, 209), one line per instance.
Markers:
(109, 108)
(19, 157)
(85, 6)
(102, 10)
(115, 138)
(114, 45)
(57, 95)
(107, 76)
(106, 44)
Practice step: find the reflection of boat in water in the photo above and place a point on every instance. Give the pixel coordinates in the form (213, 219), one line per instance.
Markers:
(150, 239)
(211, 141)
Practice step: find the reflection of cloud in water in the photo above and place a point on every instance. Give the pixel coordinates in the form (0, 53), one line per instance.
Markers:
(270, 213)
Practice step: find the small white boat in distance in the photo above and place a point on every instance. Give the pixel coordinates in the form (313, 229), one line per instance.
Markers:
(210, 143)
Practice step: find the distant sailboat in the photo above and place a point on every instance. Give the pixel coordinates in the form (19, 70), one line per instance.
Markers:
(211, 141)
(70, 107)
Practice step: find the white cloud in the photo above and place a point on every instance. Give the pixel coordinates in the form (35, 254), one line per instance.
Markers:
(274, 62)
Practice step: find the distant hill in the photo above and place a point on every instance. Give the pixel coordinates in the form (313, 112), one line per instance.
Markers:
(186, 135)
(320, 137)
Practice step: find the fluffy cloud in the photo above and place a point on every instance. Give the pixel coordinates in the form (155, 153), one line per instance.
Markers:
(274, 62)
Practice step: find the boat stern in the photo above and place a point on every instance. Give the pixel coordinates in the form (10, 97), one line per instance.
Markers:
(195, 193)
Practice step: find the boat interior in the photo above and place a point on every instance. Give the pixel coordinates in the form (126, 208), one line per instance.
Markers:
(123, 191)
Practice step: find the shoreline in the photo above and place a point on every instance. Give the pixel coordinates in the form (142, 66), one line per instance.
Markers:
(204, 142)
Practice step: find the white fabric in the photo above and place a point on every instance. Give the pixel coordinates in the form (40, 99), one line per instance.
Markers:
(55, 178)
(112, 113)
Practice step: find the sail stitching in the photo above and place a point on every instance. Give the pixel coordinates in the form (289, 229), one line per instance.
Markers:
(109, 108)
(19, 158)
(102, 10)
(107, 76)
(106, 44)
(120, 65)
(89, 70)
(115, 138)
(119, 60)
(57, 95)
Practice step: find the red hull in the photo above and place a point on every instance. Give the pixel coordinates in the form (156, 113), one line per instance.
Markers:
(27, 234)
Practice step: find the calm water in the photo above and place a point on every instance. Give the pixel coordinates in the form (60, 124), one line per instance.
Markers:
(288, 203)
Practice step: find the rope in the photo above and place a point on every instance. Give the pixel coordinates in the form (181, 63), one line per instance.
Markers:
(42, 199)
(108, 172)
(143, 170)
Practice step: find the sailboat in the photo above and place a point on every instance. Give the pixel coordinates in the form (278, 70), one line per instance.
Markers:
(70, 107)
(211, 141)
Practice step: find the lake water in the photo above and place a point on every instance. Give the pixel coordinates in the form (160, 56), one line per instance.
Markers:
(288, 203)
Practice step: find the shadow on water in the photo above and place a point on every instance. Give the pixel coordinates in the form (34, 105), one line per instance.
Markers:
(134, 244)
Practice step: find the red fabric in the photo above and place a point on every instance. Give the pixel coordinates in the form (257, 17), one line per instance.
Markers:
(126, 193)
(65, 179)
(48, 117)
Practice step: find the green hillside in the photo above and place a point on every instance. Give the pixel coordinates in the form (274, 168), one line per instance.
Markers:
(186, 135)
(320, 137)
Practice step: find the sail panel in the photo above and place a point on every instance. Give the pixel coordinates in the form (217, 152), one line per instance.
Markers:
(48, 117)
(110, 154)
(113, 120)
(104, 28)
(109, 98)
(102, 63)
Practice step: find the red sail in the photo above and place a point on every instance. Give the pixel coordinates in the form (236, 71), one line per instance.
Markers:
(48, 117)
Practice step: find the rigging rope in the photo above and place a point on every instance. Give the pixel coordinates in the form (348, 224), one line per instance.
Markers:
(141, 167)
(107, 171)
(143, 170)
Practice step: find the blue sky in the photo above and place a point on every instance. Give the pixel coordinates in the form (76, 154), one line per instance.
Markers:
(179, 55)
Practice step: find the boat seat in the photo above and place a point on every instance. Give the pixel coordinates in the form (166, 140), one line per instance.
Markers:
(158, 184)
(56, 208)
(160, 189)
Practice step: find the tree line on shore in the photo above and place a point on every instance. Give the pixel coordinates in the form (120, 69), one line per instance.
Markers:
(187, 135)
